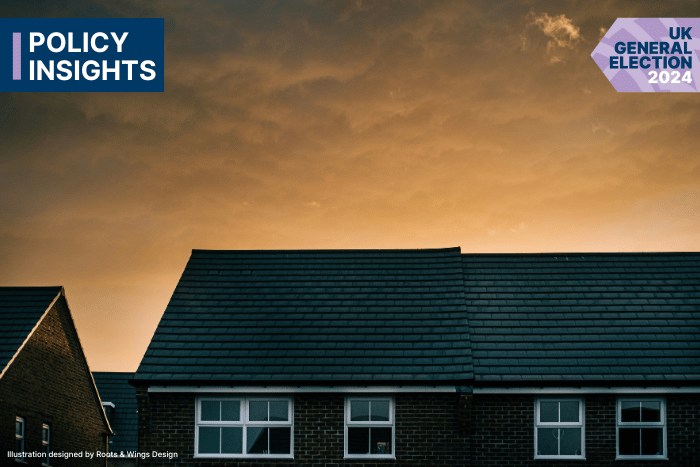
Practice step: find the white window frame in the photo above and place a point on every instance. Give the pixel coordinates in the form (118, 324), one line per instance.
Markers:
(46, 442)
(244, 424)
(371, 424)
(109, 408)
(580, 424)
(19, 436)
(659, 424)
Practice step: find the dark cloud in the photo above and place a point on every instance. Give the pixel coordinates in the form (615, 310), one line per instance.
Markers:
(70, 9)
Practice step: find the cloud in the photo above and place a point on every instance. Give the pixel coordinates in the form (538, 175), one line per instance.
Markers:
(597, 124)
(336, 125)
(497, 230)
(523, 43)
(560, 30)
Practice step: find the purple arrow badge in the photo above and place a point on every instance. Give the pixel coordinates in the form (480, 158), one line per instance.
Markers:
(651, 54)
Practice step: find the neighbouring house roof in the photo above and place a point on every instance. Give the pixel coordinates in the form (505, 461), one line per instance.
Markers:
(115, 388)
(333, 315)
(584, 317)
(21, 310)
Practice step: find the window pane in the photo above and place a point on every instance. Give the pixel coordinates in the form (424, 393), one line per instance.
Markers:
(629, 442)
(652, 441)
(549, 412)
(568, 411)
(280, 440)
(209, 440)
(279, 411)
(359, 411)
(651, 411)
(570, 441)
(257, 440)
(45, 434)
(380, 411)
(358, 440)
(258, 411)
(18, 428)
(232, 440)
(630, 411)
(210, 411)
(380, 440)
(547, 441)
(231, 411)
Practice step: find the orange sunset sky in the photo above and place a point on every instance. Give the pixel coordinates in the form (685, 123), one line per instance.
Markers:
(338, 124)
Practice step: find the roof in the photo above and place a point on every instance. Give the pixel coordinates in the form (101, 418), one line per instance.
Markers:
(21, 309)
(584, 317)
(115, 388)
(333, 315)
(422, 315)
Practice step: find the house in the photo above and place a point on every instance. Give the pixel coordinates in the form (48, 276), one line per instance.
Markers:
(590, 359)
(48, 399)
(119, 402)
(425, 357)
(310, 358)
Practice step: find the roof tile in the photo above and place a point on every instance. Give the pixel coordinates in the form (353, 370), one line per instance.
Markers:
(385, 313)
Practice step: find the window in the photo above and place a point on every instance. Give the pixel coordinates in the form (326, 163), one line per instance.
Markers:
(109, 410)
(46, 442)
(641, 428)
(19, 438)
(559, 429)
(244, 427)
(369, 427)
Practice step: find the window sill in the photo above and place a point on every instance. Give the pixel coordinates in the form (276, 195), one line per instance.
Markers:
(580, 458)
(370, 456)
(632, 458)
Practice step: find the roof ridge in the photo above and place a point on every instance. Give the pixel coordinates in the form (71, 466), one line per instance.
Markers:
(588, 253)
(332, 250)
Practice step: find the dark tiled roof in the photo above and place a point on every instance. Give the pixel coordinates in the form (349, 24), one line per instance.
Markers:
(21, 308)
(114, 388)
(576, 317)
(336, 315)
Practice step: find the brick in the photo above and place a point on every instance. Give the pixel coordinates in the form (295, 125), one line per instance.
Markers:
(49, 382)
(504, 432)
(422, 438)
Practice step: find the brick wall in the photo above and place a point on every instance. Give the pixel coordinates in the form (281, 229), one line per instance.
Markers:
(431, 429)
(49, 383)
(118, 462)
(503, 432)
